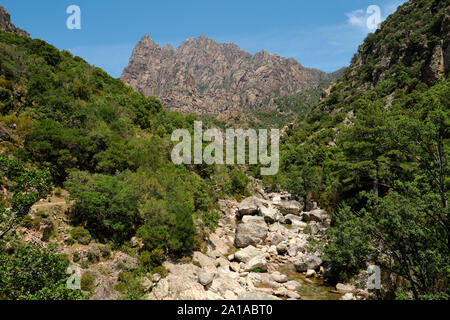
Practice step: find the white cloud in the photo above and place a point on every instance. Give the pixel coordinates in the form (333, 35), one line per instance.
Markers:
(361, 17)
(357, 18)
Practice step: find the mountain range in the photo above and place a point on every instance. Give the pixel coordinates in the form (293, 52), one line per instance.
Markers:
(206, 77)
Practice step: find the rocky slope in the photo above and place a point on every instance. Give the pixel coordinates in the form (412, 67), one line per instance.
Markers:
(6, 25)
(412, 46)
(259, 245)
(206, 77)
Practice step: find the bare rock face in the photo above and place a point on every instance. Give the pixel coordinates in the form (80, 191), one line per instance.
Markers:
(206, 77)
(7, 26)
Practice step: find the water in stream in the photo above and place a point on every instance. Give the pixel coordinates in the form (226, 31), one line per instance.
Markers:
(313, 288)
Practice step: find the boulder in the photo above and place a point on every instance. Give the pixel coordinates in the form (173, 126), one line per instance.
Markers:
(123, 261)
(134, 242)
(280, 278)
(307, 261)
(282, 248)
(292, 285)
(205, 278)
(161, 291)
(310, 205)
(182, 283)
(245, 255)
(258, 262)
(291, 207)
(292, 250)
(317, 215)
(226, 284)
(147, 284)
(220, 244)
(348, 296)
(310, 273)
(156, 277)
(294, 220)
(263, 280)
(235, 266)
(250, 232)
(254, 219)
(292, 295)
(270, 215)
(249, 206)
(344, 288)
(249, 296)
(272, 251)
(275, 238)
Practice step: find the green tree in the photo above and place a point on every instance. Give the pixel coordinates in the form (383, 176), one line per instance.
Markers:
(34, 274)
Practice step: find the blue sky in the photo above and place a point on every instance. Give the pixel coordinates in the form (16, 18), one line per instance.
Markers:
(323, 34)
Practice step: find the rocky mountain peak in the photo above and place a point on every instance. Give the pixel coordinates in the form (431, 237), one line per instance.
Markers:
(204, 76)
(7, 26)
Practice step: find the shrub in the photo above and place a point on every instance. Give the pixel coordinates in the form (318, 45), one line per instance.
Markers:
(58, 192)
(27, 222)
(87, 282)
(211, 219)
(162, 271)
(34, 273)
(145, 261)
(81, 235)
(70, 241)
(76, 257)
(196, 263)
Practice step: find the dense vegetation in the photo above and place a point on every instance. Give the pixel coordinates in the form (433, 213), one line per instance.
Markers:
(73, 126)
(375, 152)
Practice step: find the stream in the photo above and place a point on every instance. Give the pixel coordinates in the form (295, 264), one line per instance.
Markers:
(312, 288)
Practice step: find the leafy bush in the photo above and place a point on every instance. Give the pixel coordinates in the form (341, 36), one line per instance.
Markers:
(87, 282)
(162, 271)
(80, 234)
(34, 274)
(211, 219)
(107, 205)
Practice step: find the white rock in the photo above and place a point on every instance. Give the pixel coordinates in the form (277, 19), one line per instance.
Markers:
(235, 266)
(317, 215)
(307, 261)
(292, 295)
(293, 285)
(258, 262)
(250, 232)
(246, 254)
(348, 296)
(269, 214)
(291, 207)
(310, 273)
(156, 277)
(205, 278)
(344, 288)
(147, 284)
(280, 278)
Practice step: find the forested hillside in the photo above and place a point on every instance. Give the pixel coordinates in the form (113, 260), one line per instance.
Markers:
(375, 151)
(66, 124)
